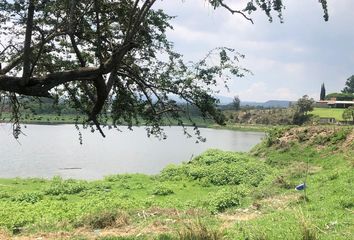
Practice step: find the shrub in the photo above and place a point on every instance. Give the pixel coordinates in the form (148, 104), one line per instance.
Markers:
(308, 230)
(273, 136)
(31, 197)
(162, 190)
(105, 219)
(198, 231)
(226, 198)
(173, 173)
(220, 168)
(347, 203)
(340, 135)
(59, 186)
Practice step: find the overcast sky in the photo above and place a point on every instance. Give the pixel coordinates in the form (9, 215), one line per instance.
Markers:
(288, 60)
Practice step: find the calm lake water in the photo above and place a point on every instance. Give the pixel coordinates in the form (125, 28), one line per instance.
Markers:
(48, 151)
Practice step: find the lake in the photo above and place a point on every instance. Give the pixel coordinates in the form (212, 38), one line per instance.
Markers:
(54, 150)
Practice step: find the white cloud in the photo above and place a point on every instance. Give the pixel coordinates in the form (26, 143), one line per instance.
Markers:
(288, 60)
(260, 91)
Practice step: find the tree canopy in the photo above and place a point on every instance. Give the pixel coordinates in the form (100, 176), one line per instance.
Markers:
(111, 59)
(349, 85)
(348, 114)
(236, 102)
(323, 92)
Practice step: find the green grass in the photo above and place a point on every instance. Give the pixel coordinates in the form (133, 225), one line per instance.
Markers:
(329, 113)
(218, 195)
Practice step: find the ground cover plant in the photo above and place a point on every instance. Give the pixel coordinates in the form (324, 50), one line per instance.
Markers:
(217, 195)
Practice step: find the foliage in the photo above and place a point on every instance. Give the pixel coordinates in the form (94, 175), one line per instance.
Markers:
(60, 186)
(198, 231)
(107, 218)
(348, 114)
(236, 103)
(323, 92)
(274, 116)
(305, 104)
(162, 190)
(103, 59)
(302, 107)
(31, 197)
(340, 96)
(219, 168)
(349, 85)
(226, 198)
(273, 135)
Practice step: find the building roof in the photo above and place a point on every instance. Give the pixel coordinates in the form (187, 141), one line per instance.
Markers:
(340, 102)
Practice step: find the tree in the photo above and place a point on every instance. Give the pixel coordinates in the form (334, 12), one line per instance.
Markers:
(305, 104)
(236, 103)
(301, 108)
(349, 85)
(102, 57)
(323, 92)
(348, 114)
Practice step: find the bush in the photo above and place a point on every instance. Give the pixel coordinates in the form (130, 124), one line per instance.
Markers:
(198, 231)
(220, 168)
(273, 136)
(173, 173)
(31, 197)
(162, 190)
(105, 219)
(59, 186)
(226, 198)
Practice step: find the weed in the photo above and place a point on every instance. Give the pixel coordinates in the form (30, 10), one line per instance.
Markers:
(162, 190)
(31, 197)
(282, 182)
(347, 202)
(199, 231)
(108, 218)
(308, 230)
(59, 186)
(226, 198)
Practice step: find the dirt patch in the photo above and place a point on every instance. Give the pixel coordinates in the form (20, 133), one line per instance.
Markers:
(278, 202)
(349, 140)
(239, 215)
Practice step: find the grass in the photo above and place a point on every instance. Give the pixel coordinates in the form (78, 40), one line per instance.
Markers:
(218, 195)
(329, 113)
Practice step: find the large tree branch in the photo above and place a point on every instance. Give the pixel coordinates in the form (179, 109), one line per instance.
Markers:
(39, 86)
(27, 45)
(72, 24)
(98, 32)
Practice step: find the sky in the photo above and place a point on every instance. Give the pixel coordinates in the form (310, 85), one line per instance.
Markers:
(288, 60)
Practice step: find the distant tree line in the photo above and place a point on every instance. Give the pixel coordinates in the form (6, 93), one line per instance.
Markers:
(347, 94)
(296, 114)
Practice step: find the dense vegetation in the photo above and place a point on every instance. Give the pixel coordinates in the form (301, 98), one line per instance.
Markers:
(340, 96)
(216, 195)
(112, 57)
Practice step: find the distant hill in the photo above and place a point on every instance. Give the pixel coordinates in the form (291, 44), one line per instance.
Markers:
(267, 104)
(225, 101)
